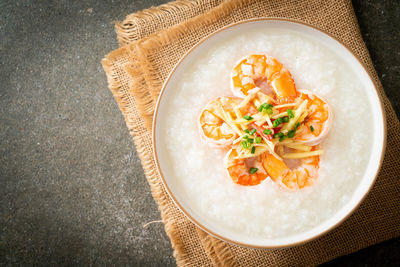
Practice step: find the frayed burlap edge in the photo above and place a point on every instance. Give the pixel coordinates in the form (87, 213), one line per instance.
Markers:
(150, 83)
(216, 250)
(129, 29)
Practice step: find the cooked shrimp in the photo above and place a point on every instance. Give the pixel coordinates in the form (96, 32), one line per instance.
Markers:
(317, 123)
(264, 72)
(248, 171)
(304, 174)
(213, 128)
(271, 128)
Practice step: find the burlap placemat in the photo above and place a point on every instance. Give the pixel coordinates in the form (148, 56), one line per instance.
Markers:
(156, 40)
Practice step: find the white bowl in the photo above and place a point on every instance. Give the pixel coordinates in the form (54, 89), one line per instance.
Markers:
(377, 149)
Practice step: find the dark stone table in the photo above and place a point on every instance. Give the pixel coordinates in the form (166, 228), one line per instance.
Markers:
(72, 188)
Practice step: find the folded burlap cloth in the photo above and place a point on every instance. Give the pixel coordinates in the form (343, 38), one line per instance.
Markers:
(154, 40)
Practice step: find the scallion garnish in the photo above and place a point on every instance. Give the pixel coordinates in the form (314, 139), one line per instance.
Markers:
(252, 131)
(277, 122)
(264, 106)
(244, 144)
(282, 138)
(311, 128)
(253, 150)
(279, 135)
(291, 133)
(253, 170)
(250, 140)
(267, 131)
(285, 119)
(247, 117)
(296, 125)
(258, 139)
(268, 111)
(245, 137)
(246, 131)
(290, 113)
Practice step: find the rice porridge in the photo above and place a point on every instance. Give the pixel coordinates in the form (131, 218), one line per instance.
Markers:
(266, 210)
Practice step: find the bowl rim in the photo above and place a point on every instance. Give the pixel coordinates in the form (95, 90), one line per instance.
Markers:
(311, 237)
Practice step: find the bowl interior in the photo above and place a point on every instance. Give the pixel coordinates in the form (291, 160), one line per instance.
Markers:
(177, 192)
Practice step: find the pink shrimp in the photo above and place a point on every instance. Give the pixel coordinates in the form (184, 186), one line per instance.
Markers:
(305, 174)
(265, 72)
(242, 171)
(317, 123)
(213, 129)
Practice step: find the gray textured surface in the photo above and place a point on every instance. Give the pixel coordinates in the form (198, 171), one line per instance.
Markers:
(72, 188)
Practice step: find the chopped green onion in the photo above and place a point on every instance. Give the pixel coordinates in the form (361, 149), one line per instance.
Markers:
(258, 139)
(247, 117)
(264, 106)
(285, 119)
(296, 125)
(246, 131)
(282, 138)
(311, 128)
(290, 113)
(267, 131)
(253, 150)
(253, 170)
(250, 140)
(245, 137)
(277, 122)
(268, 111)
(244, 144)
(279, 135)
(291, 133)
(252, 131)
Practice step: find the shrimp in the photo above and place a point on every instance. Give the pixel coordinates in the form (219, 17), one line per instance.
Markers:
(305, 174)
(248, 171)
(265, 72)
(317, 123)
(213, 129)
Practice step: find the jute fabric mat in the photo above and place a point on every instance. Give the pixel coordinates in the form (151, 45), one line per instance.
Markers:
(157, 38)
